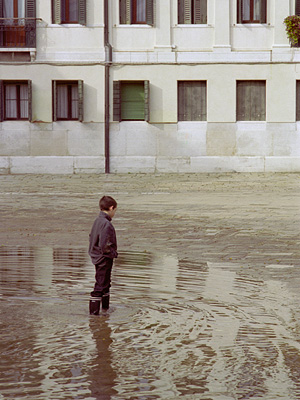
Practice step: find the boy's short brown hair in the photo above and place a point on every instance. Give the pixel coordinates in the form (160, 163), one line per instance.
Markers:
(106, 202)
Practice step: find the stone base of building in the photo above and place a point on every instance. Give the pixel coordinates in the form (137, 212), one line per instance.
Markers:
(128, 164)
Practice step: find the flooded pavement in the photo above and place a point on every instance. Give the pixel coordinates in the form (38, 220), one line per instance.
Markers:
(178, 328)
(204, 299)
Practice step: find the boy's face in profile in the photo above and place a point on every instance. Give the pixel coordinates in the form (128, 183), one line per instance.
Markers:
(111, 211)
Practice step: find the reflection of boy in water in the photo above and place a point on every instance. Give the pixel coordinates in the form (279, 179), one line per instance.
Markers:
(103, 245)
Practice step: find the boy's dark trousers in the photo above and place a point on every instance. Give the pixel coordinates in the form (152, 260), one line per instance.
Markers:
(102, 285)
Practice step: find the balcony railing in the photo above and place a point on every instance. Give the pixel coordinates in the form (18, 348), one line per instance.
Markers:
(18, 32)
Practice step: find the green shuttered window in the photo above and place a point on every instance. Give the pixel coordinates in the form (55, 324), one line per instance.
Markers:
(15, 100)
(67, 100)
(136, 12)
(192, 101)
(192, 11)
(252, 11)
(69, 12)
(131, 101)
(251, 101)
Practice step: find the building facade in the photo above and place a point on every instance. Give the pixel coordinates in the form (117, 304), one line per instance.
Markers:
(148, 86)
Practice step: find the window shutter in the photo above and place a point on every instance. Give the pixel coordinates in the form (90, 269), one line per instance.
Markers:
(298, 101)
(187, 18)
(80, 101)
(147, 100)
(263, 11)
(239, 11)
(30, 12)
(117, 101)
(30, 100)
(56, 11)
(125, 11)
(1, 101)
(297, 7)
(1, 16)
(54, 101)
(82, 12)
(200, 11)
(149, 12)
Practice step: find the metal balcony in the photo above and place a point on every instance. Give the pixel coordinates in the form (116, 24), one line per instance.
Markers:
(17, 32)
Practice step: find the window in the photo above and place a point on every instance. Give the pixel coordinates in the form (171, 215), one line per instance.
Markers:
(67, 100)
(251, 101)
(252, 11)
(136, 12)
(15, 100)
(131, 101)
(17, 23)
(69, 12)
(192, 101)
(192, 11)
(297, 7)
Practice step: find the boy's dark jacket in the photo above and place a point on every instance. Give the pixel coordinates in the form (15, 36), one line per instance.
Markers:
(103, 241)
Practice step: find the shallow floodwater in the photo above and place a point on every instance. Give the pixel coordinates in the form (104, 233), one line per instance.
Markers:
(176, 329)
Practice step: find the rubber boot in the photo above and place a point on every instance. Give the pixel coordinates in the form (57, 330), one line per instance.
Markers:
(95, 305)
(105, 302)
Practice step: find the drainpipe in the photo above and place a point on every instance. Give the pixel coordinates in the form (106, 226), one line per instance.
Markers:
(108, 61)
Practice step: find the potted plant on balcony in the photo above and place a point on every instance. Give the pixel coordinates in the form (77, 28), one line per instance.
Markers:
(292, 27)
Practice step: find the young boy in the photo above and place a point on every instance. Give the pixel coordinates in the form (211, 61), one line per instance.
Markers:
(102, 250)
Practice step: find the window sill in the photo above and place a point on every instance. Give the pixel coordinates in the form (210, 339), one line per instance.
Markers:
(66, 26)
(252, 25)
(126, 26)
(193, 26)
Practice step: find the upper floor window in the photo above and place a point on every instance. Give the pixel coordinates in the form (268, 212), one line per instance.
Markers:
(67, 100)
(17, 23)
(131, 101)
(69, 12)
(136, 12)
(15, 101)
(297, 7)
(251, 101)
(192, 11)
(252, 11)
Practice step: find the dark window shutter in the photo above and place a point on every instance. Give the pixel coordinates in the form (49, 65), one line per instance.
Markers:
(1, 101)
(30, 12)
(187, 17)
(149, 12)
(30, 100)
(82, 12)
(147, 100)
(125, 11)
(80, 101)
(181, 11)
(192, 101)
(56, 11)
(1, 16)
(263, 11)
(297, 7)
(251, 101)
(54, 101)
(200, 11)
(298, 101)
(239, 11)
(117, 101)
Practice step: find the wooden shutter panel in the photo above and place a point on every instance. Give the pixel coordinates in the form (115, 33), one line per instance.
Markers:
(117, 101)
(30, 12)
(56, 11)
(187, 18)
(80, 101)
(263, 11)
(297, 7)
(147, 100)
(1, 101)
(1, 16)
(30, 100)
(298, 101)
(200, 11)
(125, 11)
(149, 12)
(240, 11)
(54, 101)
(82, 12)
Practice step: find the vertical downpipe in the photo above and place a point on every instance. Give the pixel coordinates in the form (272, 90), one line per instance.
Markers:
(108, 61)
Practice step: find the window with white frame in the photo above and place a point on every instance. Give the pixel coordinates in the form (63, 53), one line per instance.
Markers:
(69, 12)
(136, 12)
